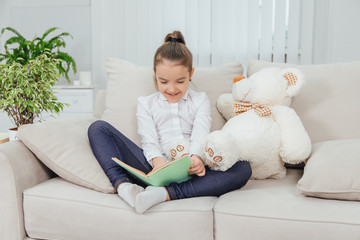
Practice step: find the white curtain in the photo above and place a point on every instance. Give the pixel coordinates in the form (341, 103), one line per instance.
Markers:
(216, 31)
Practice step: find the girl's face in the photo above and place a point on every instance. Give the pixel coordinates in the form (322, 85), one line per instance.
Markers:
(172, 79)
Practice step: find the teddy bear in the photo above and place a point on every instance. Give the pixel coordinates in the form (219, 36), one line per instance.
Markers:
(261, 128)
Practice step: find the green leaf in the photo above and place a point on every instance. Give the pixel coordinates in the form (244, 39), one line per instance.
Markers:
(47, 32)
(27, 91)
(12, 40)
(11, 30)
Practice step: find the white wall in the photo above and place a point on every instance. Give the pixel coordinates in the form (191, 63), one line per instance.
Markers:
(344, 31)
(34, 17)
(337, 31)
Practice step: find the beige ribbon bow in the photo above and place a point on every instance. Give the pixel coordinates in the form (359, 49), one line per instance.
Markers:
(261, 110)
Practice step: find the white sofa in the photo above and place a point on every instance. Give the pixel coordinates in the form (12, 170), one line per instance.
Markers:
(74, 200)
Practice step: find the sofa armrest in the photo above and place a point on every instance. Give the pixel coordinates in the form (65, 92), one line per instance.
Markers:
(19, 170)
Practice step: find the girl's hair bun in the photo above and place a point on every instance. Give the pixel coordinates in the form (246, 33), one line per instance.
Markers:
(174, 49)
(175, 36)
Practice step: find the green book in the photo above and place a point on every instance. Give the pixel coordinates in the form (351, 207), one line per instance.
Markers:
(174, 171)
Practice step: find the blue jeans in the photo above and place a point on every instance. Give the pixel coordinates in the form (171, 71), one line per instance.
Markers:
(107, 142)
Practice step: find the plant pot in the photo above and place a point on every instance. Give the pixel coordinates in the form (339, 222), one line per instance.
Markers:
(12, 134)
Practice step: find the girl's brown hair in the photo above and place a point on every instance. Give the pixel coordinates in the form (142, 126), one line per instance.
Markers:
(174, 49)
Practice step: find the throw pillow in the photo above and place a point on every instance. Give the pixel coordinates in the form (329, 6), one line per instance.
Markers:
(128, 81)
(332, 171)
(63, 146)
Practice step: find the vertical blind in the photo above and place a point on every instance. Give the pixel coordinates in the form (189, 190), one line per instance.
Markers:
(216, 31)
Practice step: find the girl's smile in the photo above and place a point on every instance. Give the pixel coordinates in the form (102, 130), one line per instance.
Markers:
(172, 80)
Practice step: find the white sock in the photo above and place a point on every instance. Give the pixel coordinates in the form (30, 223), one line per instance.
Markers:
(149, 198)
(128, 191)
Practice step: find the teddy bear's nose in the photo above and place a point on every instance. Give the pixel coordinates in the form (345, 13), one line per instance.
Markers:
(238, 78)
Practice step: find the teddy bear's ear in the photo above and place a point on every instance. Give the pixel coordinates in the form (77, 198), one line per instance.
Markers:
(295, 80)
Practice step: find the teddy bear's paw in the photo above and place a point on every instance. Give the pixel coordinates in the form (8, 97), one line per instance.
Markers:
(220, 150)
(177, 149)
(213, 160)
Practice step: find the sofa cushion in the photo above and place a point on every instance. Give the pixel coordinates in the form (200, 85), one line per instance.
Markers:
(63, 146)
(332, 171)
(127, 82)
(57, 209)
(328, 102)
(274, 209)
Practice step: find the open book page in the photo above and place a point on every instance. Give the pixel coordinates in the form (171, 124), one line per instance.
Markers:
(174, 171)
(128, 167)
(136, 173)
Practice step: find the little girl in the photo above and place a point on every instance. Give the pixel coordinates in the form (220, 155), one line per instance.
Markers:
(173, 112)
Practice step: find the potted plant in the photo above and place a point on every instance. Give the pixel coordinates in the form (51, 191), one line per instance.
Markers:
(28, 77)
(28, 90)
(21, 50)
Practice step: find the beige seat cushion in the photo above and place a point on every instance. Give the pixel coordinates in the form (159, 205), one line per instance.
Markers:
(333, 170)
(328, 104)
(57, 209)
(274, 209)
(127, 82)
(63, 146)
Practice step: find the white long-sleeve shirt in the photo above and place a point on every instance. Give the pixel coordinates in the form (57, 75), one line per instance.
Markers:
(160, 122)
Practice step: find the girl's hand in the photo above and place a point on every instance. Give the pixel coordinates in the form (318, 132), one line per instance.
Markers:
(158, 162)
(197, 167)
